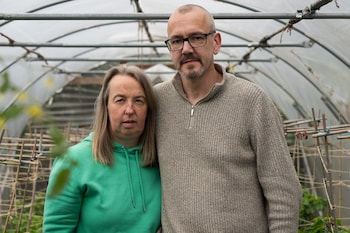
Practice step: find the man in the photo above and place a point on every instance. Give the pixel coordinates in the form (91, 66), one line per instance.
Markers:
(224, 161)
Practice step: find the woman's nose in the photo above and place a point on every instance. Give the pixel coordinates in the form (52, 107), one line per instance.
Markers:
(129, 109)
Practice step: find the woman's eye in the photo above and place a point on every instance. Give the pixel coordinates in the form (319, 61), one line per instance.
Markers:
(119, 100)
(139, 101)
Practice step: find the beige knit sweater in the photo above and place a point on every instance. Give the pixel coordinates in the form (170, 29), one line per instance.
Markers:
(225, 165)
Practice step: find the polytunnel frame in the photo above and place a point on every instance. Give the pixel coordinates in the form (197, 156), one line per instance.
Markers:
(259, 45)
(307, 13)
(137, 16)
(297, 106)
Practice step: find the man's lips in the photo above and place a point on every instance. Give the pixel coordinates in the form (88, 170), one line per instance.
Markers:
(188, 59)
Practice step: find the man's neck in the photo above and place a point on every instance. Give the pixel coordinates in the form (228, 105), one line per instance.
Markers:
(196, 89)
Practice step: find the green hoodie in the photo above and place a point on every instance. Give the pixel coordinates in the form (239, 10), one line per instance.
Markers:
(101, 199)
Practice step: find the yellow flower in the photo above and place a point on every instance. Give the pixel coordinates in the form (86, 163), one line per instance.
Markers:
(23, 97)
(34, 110)
(2, 122)
(49, 82)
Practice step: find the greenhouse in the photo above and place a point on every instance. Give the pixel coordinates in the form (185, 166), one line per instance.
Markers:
(55, 53)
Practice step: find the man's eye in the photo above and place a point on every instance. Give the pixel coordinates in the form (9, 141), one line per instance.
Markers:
(176, 41)
(197, 38)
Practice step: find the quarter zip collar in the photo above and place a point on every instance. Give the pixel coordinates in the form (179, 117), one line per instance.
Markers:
(177, 83)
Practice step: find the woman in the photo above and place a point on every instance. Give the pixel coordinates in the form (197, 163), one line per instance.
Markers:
(114, 184)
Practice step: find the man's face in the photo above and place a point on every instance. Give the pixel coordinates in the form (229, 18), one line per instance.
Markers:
(191, 62)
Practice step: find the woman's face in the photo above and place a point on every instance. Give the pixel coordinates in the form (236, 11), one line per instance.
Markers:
(127, 109)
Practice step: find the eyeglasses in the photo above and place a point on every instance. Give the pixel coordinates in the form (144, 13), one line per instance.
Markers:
(196, 40)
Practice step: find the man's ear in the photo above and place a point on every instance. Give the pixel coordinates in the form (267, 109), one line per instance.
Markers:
(217, 42)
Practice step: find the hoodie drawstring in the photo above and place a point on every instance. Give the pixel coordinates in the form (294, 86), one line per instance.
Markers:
(140, 182)
(130, 179)
(133, 202)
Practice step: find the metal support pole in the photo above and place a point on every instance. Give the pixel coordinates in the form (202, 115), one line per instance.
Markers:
(128, 59)
(153, 16)
(305, 44)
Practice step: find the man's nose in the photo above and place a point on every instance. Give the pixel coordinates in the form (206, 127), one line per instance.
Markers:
(186, 47)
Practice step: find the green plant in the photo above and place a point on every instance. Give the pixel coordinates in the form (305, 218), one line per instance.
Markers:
(25, 105)
(22, 217)
(311, 216)
(311, 206)
(18, 222)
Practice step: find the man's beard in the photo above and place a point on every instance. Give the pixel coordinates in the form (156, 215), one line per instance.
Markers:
(191, 74)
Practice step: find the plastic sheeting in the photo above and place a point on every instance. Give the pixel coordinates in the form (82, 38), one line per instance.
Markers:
(311, 74)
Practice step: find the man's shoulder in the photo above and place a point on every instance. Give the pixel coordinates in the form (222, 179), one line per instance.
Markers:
(163, 86)
(237, 81)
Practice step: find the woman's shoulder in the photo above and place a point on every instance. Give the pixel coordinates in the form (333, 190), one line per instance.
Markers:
(80, 153)
(80, 150)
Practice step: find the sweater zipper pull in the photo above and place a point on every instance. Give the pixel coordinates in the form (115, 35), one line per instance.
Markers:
(191, 115)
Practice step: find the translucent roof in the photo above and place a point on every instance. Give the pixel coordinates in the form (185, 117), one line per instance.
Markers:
(44, 44)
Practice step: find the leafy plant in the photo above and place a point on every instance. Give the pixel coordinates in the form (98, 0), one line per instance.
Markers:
(311, 206)
(18, 223)
(18, 219)
(311, 216)
(35, 111)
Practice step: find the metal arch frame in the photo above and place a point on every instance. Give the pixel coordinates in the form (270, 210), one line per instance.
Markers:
(304, 44)
(99, 25)
(330, 105)
(295, 29)
(67, 34)
(299, 108)
(110, 23)
(49, 5)
(325, 98)
(129, 59)
(155, 16)
(255, 15)
(217, 16)
(32, 83)
(142, 15)
(57, 65)
(41, 8)
(30, 11)
(296, 104)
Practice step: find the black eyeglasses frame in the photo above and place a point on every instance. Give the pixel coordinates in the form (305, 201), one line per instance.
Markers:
(187, 39)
